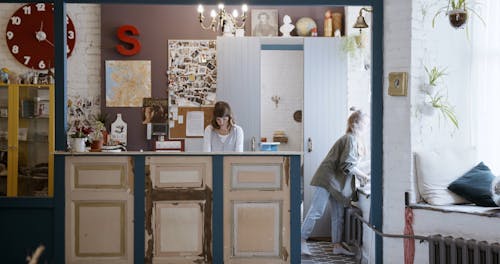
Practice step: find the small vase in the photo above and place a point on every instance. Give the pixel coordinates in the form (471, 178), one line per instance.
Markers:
(78, 144)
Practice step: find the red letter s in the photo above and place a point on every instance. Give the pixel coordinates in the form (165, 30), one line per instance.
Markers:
(136, 45)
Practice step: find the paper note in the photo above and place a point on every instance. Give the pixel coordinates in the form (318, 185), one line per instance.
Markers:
(194, 123)
(180, 119)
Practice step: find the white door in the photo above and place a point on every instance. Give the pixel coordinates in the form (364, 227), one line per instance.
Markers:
(325, 110)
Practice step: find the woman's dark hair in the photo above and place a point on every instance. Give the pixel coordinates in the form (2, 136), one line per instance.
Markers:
(222, 109)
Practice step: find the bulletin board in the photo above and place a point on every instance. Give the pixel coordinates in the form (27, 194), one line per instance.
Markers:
(179, 130)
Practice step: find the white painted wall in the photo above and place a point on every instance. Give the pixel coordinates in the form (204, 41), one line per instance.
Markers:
(282, 75)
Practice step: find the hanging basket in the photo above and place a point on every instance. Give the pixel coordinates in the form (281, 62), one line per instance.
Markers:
(457, 17)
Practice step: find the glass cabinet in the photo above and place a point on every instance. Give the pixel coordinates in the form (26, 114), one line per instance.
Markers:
(26, 140)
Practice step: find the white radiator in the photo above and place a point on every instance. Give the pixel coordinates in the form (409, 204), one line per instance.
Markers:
(450, 250)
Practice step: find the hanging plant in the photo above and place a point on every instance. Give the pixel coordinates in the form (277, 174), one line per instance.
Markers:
(434, 99)
(457, 12)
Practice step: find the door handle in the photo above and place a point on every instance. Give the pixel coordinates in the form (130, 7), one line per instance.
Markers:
(309, 145)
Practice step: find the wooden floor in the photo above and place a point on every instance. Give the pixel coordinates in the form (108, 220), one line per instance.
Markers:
(322, 253)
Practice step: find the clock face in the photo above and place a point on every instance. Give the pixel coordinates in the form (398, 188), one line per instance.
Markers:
(30, 35)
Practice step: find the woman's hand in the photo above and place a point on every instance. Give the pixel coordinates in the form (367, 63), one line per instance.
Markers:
(362, 177)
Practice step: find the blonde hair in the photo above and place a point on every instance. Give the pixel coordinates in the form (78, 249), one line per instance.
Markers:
(355, 120)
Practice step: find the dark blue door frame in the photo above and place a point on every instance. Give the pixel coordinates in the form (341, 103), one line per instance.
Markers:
(376, 111)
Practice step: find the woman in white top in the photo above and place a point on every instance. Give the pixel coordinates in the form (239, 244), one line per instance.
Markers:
(223, 134)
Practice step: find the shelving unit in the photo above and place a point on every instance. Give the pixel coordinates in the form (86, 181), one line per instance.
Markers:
(26, 140)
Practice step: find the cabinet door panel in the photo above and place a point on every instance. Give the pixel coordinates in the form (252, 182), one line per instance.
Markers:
(103, 176)
(100, 229)
(179, 228)
(256, 176)
(99, 210)
(256, 228)
(178, 210)
(180, 172)
(256, 219)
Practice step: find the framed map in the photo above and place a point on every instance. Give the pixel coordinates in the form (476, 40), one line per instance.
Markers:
(127, 82)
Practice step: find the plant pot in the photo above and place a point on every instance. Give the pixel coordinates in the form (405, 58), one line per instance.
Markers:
(96, 145)
(78, 144)
(457, 17)
(427, 109)
(429, 89)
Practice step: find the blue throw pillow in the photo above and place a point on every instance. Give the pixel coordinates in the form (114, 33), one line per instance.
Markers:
(475, 185)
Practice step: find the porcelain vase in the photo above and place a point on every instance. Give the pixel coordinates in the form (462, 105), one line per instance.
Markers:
(78, 144)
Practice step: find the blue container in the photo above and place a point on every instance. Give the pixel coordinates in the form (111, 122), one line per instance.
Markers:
(269, 146)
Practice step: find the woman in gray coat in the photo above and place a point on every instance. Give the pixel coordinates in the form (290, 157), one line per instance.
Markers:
(334, 181)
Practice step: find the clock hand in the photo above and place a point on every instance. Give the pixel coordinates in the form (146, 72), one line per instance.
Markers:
(41, 26)
(52, 44)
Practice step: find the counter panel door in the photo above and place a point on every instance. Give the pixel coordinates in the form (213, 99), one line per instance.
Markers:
(99, 210)
(256, 210)
(178, 210)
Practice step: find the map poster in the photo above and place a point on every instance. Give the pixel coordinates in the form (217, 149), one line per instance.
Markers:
(127, 82)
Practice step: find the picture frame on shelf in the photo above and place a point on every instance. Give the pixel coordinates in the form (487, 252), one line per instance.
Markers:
(265, 22)
(43, 108)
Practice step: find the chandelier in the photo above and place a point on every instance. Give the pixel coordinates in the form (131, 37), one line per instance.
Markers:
(222, 21)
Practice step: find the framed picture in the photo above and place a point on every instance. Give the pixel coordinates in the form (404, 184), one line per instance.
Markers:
(42, 108)
(264, 22)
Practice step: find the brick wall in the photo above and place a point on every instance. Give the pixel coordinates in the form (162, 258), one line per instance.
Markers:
(397, 125)
(84, 65)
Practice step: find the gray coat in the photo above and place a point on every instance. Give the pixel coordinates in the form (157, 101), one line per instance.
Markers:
(335, 173)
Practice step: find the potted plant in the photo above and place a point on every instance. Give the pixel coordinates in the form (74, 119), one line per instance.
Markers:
(96, 136)
(457, 12)
(434, 99)
(433, 77)
(103, 118)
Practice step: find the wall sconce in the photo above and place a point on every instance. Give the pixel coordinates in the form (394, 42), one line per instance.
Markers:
(223, 21)
(360, 21)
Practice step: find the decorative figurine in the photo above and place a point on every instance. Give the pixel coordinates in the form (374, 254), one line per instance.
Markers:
(4, 75)
(287, 26)
(337, 22)
(328, 24)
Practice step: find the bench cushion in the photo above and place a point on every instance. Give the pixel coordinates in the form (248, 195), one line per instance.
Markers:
(436, 169)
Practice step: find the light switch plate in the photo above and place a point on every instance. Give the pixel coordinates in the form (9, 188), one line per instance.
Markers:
(398, 83)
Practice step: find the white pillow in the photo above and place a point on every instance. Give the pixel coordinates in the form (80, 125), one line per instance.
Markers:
(436, 169)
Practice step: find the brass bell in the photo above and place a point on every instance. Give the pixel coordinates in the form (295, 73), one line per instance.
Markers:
(360, 22)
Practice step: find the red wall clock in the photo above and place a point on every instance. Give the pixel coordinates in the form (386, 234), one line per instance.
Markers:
(30, 35)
